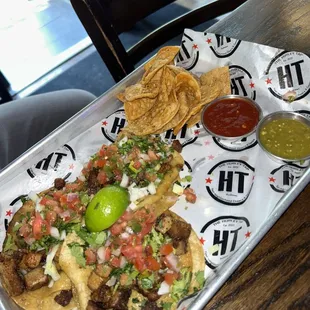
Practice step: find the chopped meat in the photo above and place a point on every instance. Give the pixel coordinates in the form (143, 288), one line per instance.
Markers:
(105, 298)
(32, 259)
(179, 230)
(64, 297)
(92, 182)
(180, 246)
(59, 183)
(164, 223)
(94, 281)
(177, 146)
(10, 278)
(151, 295)
(151, 305)
(35, 279)
(93, 306)
(164, 168)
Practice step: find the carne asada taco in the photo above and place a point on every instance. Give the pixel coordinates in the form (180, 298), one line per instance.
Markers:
(51, 261)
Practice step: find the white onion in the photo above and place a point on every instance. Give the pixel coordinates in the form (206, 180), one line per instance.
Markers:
(63, 235)
(164, 288)
(65, 214)
(173, 262)
(125, 180)
(151, 188)
(111, 282)
(55, 232)
(72, 196)
(124, 235)
(108, 242)
(144, 157)
(123, 262)
(50, 268)
(50, 284)
(116, 252)
(82, 178)
(133, 206)
(101, 254)
(123, 141)
(33, 196)
(129, 230)
(39, 207)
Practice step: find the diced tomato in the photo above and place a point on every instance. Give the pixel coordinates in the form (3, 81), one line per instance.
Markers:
(40, 227)
(58, 194)
(43, 201)
(150, 176)
(91, 257)
(190, 195)
(139, 263)
(100, 163)
(107, 254)
(51, 217)
(116, 229)
(102, 177)
(124, 279)
(111, 150)
(137, 165)
(25, 230)
(127, 216)
(128, 251)
(115, 262)
(152, 263)
(89, 165)
(146, 229)
(148, 250)
(152, 155)
(166, 249)
(170, 277)
(103, 150)
(139, 239)
(72, 187)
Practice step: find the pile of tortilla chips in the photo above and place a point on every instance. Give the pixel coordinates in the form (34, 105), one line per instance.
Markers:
(168, 97)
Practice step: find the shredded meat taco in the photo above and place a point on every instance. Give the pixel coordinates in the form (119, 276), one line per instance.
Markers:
(148, 259)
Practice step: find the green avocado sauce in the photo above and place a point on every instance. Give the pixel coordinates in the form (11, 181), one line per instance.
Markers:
(286, 138)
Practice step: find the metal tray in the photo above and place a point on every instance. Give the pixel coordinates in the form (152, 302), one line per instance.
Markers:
(92, 114)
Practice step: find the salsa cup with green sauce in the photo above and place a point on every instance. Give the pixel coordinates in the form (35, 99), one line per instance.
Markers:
(285, 137)
(231, 117)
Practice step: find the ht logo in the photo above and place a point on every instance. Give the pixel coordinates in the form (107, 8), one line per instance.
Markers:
(227, 180)
(237, 86)
(226, 235)
(285, 74)
(118, 124)
(289, 178)
(169, 134)
(45, 163)
(221, 40)
(183, 53)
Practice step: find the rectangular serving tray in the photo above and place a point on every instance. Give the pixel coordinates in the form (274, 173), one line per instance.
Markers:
(92, 114)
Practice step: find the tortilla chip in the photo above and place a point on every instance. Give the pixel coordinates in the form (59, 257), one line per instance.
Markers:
(136, 108)
(167, 84)
(43, 298)
(194, 119)
(77, 274)
(160, 114)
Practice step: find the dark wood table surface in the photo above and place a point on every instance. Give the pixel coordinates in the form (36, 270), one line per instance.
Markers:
(276, 275)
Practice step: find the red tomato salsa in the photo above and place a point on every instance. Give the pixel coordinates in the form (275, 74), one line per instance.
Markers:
(232, 117)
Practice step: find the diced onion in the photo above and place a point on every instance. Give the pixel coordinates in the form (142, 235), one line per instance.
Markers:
(50, 268)
(164, 288)
(82, 178)
(72, 196)
(65, 214)
(101, 254)
(39, 207)
(111, 282)
(144, 157)
(50, 284)
(33, 196)
(108, 242)
(129, 230)
(63, 235)
(173, 261)
(124, 235)
(55, 232)
(123, 141)
(123, 262)
(116, 252)
(125, 180)
(133, 206)
(151, 188)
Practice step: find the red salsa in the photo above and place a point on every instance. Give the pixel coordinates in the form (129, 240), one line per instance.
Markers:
(231, 117)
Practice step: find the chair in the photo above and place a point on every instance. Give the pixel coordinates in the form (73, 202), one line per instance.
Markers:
(104, 20)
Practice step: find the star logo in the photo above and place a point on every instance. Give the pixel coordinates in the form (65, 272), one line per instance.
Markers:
(211, 157)
(272, 179)
(209, 41)
(105, 123)
(8, 213)
(202, 241)
(71, 167)
(252, 85)
(208, 180)
(207, 142)
(268, 81)
(248, 234)
(197, 132)
(195, 46)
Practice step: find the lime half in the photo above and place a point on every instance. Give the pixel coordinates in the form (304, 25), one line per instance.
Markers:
(106, 208)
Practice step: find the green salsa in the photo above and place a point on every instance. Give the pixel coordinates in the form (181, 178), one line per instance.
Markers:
(286, 138)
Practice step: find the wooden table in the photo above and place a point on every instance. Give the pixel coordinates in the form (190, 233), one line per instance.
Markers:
(276, 275)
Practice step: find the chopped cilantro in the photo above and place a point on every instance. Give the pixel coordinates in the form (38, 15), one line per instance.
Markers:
(200, 278)
(84, 198)
(17, 227)
(135, 300)
(187, 178)
(166, 305)
(155, 239)
(24, 199)
(94, 239)
(9, 244)
(180, 287)
(77, 251)
(44, 243)
(136, 227)
(147, 282)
